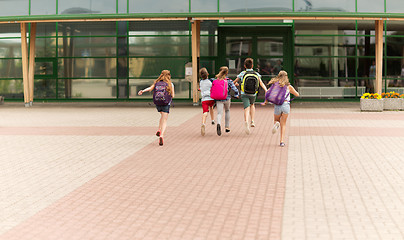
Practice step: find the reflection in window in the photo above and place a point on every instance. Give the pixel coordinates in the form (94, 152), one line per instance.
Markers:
(159, 46)
(370, 6)
(324, 6)
(14, 8)
(159, 6)
(394, 6)
(204, 5)
(255, 6)
(43, 7)
(86, 6)
(238, 46)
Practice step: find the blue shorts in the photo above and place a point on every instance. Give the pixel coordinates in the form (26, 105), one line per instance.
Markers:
(163, 108)
(284, 108)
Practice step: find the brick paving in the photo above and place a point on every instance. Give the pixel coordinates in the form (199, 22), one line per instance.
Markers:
(96, 172)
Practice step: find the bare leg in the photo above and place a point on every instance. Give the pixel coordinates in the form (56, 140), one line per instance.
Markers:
(163, 123)
(204, 116)
(246, 113)
(212, 113)
(252, 112)
(284, 117)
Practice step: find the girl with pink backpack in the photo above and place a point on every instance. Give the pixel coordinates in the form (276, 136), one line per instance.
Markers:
(279, 95)
(162, 97)
(220, 91)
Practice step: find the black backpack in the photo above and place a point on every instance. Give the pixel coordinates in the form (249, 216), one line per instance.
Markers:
(250, 83)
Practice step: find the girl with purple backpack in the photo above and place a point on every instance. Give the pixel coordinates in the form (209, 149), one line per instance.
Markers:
(162, 97)
(279, 95)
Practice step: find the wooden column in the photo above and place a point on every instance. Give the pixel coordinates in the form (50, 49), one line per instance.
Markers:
(196, 39)
(24, 51)
(31, 71)
(379, 56)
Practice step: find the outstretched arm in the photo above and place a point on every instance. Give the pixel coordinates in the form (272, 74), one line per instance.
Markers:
(263, 85)
(146, 90)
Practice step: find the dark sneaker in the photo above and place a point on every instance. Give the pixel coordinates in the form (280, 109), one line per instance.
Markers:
(161, 142)
(227, 130)
(158, 133)
(218, 130)
(282, 144)
(213, 122)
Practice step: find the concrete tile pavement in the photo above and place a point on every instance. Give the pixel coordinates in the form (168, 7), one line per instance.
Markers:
(94, 172)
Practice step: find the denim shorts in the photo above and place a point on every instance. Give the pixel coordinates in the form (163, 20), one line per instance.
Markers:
(284, 108)
(163, 108)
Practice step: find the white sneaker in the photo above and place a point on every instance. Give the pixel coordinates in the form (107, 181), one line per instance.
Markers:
(275, 127)
(247, 128)
(203, 130)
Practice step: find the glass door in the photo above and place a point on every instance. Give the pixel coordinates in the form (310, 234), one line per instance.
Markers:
(270, 47)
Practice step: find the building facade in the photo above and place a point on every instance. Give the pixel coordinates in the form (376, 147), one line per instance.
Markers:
(109, 49)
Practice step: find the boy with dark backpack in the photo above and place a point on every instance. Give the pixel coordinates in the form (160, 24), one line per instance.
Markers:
(250, 82)
(162, 97)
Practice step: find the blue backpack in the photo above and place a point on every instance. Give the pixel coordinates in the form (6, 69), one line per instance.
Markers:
(161, 96)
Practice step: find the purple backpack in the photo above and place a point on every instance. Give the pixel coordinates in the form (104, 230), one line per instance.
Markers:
(161, 96)
(277, 94)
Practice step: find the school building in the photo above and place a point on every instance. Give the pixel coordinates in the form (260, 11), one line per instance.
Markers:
(81, 50)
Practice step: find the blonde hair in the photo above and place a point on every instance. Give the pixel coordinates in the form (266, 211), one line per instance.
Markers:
(282, 78)
(223, 73)
(165, 76)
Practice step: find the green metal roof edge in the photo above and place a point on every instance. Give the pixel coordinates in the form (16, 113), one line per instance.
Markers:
(285, 15)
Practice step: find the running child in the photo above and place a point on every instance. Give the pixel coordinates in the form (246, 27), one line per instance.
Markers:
(162, 97)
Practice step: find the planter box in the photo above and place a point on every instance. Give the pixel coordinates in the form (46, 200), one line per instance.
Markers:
(392, 103)
(371, 105)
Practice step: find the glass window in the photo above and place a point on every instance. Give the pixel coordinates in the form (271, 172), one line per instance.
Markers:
(43, 7)
(209, 28)
(11, 89)
(325, 46)
(87, 29)
(270, 46)
(46, 29)
(122, 6)
(45, 47)
(324, 6)
(152, 67)
(395, 46)
(238, 46)
(394, 6)
(255, 6)
(14, 8)
(87, 47)
(319, 67)
(208, 45)
(370, 6)
(87, 67)
(10, 48)
(11, 68)
(93, 88)
(159, 28)
(204, 5)
(45, 88)
(86, 6)
(159, 6)
(159, 46)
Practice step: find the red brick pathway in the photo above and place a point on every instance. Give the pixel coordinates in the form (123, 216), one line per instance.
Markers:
(228, 187)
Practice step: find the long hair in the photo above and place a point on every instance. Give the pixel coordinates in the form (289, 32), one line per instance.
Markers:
(282, 78)
(165, 76)
(223, 73)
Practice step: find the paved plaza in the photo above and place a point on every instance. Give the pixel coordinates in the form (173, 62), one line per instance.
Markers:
(95, 171)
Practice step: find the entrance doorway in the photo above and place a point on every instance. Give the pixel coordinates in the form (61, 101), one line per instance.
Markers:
(271, 48)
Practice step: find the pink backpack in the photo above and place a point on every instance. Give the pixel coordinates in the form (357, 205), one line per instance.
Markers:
(219, 89)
